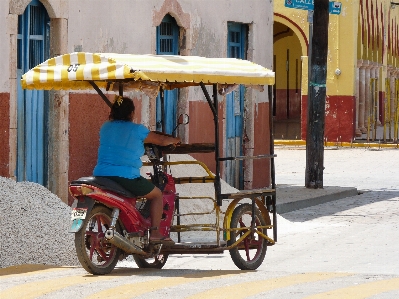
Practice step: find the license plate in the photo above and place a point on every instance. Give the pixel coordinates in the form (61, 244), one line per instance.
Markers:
(78, 213)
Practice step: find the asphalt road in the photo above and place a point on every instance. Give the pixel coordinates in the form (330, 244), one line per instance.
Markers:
(346, 248)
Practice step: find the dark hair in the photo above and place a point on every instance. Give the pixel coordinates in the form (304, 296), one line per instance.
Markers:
(122, 109)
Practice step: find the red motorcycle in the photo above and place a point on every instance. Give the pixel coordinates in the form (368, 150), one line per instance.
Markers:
(110, 223)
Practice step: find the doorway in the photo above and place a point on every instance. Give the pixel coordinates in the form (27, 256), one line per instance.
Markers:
(32, 108)
(287, 66)
(236, 48)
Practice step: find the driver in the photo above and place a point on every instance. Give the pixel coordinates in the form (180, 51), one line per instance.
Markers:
(121, 147)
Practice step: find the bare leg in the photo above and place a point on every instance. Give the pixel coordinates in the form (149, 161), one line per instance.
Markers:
(155, 210)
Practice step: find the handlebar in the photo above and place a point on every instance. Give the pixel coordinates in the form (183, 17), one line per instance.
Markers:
(189, 148)
(155, 152)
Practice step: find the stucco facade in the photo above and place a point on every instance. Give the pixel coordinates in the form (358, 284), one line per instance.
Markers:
(129, 26)
(362, 68)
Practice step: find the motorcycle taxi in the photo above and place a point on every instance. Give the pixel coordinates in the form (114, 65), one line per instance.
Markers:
(109, 222)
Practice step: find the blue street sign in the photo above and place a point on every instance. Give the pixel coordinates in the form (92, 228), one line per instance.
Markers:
(300, 4)
(334, 7)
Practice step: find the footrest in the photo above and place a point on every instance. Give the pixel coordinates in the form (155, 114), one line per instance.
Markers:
(249, 193)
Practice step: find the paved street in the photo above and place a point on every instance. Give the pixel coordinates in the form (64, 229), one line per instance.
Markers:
(346, 248)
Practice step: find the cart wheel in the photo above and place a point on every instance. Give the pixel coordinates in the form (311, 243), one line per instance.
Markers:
(249, 253)
(156, 262)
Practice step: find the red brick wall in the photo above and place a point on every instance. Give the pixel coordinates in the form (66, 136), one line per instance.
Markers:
(261, 167)
(202, 130)
(281, 104)
(339, 120)
(4, 133)
(87, 112)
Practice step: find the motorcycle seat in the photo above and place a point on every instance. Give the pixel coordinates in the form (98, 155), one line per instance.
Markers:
(103, 183)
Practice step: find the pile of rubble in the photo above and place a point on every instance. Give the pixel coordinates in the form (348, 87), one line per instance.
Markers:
(34, 224)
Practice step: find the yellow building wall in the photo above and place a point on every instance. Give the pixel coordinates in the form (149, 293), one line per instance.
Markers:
(292, 44)
(342, 44)
(363, 39)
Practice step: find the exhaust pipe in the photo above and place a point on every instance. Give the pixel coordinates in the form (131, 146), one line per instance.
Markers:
(121, 242)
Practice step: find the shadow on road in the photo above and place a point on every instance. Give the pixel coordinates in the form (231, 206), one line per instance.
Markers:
(343, 205)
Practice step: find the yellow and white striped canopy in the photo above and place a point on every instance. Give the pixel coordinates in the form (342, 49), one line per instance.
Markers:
(74, 71)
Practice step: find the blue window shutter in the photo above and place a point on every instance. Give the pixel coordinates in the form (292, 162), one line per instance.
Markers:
(32, 49)
(167, 44)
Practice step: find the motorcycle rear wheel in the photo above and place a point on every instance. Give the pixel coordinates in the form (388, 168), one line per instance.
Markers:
(156, 262)
(94, 252)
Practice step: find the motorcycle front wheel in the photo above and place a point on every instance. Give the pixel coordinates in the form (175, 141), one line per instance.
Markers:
(156, 262)
(94, 252)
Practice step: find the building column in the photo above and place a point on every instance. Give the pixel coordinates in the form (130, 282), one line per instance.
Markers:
(391, 83)
(394, 78)
(358, 132)
(362, 96)
(58, 158)
(375, 73)
(367, 106)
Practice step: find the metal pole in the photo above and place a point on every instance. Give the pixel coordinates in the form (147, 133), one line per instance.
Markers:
(317, 97)
(102, 95)
(214, 108)
(218, 187)
(272, 166)
(396, 121)
(310, 20)
(162, 98)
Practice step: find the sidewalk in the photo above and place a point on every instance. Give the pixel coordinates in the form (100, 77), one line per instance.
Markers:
(292, 197)
(349, 170)
(288, 132)
(358, 144)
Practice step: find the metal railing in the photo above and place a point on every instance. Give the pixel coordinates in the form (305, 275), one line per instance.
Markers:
(390, 113)
(391, 118)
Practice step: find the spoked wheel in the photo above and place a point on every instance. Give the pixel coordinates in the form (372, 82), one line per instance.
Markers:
(156, 262)
(249, 253)
(94, 252)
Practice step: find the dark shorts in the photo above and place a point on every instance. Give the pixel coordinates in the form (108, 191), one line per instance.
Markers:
(139, 186)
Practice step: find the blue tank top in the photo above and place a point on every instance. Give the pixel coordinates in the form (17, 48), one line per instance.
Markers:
(121, 147)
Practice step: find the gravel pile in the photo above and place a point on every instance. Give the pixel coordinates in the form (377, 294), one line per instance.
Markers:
(34, 224)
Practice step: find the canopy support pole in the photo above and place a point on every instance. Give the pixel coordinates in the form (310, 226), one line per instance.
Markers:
(214, 108)
(102, 95)
(162, 100)
(272, 166)
(121, 89)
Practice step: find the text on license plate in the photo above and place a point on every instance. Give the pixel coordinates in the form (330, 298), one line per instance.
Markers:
(78, 213)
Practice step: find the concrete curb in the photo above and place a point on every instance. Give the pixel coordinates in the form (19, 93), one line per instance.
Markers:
(292, 198)
(339, 144)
